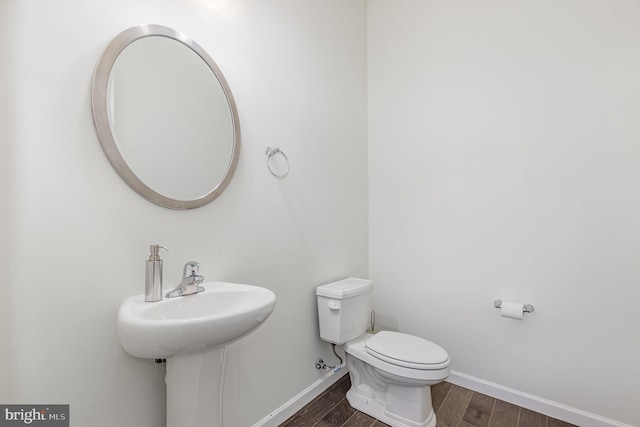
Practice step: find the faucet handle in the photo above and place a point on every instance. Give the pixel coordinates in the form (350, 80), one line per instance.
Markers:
(191, 269)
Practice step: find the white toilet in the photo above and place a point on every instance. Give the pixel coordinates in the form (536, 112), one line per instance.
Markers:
(391, 372)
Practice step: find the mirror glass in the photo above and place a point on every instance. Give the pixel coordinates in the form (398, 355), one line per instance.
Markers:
(166, 117)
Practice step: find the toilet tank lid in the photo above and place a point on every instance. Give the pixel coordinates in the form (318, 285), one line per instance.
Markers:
(345, 288)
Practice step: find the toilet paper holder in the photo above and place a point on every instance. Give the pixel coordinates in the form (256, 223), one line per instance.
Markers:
(526, 308)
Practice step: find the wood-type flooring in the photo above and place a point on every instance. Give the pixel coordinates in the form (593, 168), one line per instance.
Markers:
(454, 406)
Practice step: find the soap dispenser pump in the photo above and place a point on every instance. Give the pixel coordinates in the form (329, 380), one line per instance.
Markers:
(153, 275)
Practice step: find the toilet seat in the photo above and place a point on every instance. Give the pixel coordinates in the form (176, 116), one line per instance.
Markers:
(407, 351)
(357, 349)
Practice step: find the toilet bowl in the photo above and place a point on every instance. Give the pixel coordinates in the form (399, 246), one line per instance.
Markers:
(391, 372)
(395, 391)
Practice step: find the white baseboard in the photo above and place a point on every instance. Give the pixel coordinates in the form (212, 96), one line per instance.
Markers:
(535, 403)
(298, 402)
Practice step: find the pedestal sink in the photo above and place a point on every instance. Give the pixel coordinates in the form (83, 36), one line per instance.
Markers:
(190, 332)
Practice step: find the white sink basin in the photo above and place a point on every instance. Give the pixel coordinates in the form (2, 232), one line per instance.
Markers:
(221, 314)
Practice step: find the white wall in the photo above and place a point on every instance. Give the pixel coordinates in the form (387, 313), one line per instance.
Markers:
(503, 156)
(5, 179)
(79, 236)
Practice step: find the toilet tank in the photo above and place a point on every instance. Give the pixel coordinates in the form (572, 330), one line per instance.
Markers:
(344, 309)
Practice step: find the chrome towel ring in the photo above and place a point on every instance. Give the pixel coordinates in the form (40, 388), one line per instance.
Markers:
(272, 151)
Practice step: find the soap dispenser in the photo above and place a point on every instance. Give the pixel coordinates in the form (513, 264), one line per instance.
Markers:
(153, 275)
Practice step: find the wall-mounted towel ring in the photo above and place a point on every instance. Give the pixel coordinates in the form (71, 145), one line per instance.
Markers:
(272, 151)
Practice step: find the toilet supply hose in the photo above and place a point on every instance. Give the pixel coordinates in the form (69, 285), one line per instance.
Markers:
(333, 347)
(321, 365)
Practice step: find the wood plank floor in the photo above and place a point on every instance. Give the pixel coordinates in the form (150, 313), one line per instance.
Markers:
(455, 407)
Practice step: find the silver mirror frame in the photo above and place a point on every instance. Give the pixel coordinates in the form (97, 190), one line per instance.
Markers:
(107, 140)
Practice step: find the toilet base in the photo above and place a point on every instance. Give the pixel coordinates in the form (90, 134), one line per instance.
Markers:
(395, 404)
(377, 410)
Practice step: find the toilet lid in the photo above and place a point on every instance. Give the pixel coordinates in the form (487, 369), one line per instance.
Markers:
(407, 350)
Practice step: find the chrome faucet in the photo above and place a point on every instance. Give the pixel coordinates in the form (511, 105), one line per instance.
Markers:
(190, 283)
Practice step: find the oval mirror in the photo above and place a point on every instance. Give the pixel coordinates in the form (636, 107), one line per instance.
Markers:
(165, 117)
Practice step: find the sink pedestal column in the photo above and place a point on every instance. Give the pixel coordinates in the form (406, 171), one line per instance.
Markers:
(193, 388)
